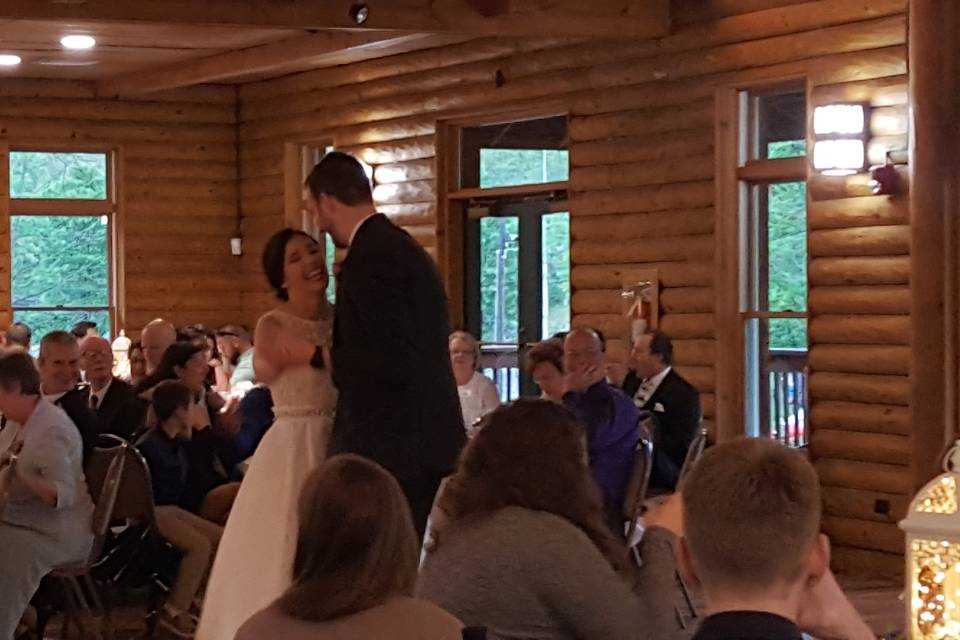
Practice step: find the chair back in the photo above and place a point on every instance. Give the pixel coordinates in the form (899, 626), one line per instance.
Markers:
(135, 492)
(104, 473)
(639, 482)
(693, 453)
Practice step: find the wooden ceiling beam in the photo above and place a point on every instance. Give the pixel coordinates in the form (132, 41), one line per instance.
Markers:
(322, 49)
(622, 19)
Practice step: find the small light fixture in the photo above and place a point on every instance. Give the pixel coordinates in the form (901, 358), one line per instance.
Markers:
(9, 60)
(884, 180)
(840, 148)
(236, 245)
(359, 13)
(78, 42)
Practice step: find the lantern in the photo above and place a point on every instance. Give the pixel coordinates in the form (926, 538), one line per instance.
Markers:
(121, 356)
(933, 556)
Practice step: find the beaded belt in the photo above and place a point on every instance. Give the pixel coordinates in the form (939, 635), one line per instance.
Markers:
(300, 413)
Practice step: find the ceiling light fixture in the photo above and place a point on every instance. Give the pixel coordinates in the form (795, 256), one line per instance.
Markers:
(9, 60)
(78, 42)
(359, 13)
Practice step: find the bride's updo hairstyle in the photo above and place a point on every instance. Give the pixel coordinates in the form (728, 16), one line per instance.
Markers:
(356, 546)
(274, 255)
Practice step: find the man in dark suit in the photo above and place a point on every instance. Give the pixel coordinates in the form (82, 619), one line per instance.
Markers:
(398, 402)
(752, 547)
(110, 398)
(673, 402)
(59, 366)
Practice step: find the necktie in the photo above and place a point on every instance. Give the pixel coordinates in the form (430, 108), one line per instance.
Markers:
(94, 401)
(644, 392)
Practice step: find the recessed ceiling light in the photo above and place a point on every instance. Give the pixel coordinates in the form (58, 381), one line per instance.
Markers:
(78, 42)
(9, 60)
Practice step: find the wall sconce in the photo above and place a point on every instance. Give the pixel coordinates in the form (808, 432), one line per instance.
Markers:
(840, 145)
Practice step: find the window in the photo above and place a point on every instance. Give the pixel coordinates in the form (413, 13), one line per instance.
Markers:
(772, 174)
(310, 156)
(512, 195)
(61, 233)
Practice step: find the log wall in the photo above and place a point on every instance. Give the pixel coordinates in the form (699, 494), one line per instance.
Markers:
(177, 185)
(642, 131)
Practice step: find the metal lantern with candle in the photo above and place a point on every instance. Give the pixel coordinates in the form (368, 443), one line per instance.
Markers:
(933, 556)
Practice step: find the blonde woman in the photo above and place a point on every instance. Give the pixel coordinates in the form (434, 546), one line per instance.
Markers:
(478, 394)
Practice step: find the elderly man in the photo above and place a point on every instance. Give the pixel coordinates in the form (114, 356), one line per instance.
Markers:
(155, 338)
(59, 366)
(674, 403)
(236, 348)
(110, 398)
(18, 335)
(607, 413)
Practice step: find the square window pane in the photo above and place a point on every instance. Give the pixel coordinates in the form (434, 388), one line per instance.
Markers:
(788, 334)
(514, 153)
(60, 261)
(43, 322)
(555, 254)
(786, 246)
(499, 284)
(76, 176)
(511, 167)
(778, 124)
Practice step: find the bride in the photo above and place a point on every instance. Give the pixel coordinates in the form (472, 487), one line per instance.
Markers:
(255, 559)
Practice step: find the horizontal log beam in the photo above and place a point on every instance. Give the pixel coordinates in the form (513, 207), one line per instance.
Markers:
(860, 446)
(855, 416)
(891, 240)
(849, 387)
(864, 505)
(642, 225)
(663, 249)
(870, 476)
(672, 274)
(858, 212)
(871, 300)
(643, 19)
(860, 270)
(860, 329)
(866, 563)
(864, 534)
(857, 358)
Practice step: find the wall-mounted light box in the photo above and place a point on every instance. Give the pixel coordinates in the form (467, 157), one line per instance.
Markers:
(841, 133)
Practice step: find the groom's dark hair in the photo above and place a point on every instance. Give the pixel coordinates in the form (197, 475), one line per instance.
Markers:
(342, 176)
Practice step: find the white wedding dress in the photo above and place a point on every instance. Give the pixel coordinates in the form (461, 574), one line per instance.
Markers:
(254, 563)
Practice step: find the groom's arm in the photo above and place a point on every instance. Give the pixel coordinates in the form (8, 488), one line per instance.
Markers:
(381, 332)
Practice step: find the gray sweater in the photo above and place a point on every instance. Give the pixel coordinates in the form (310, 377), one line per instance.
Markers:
(532, 575)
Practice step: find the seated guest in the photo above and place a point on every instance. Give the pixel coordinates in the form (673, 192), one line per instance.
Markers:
(154, 339)
(355, 565)
(165, 450)
(83, 329)
(138, 363)
(236, 349)
(752, 545)
(46, 517)
(198, 334)
(521, 546)
(478, 394)
(59, 365)
(18, 335)
(609, 416)
(210, 492)
(545, 366)
(111, 399)
(674, 403)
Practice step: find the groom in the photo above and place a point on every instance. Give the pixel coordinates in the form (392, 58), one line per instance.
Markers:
(398, 401)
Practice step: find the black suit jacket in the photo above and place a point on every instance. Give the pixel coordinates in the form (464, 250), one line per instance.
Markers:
(119, 411)
(398, 402)
(76, 404)
(747, 625)
(675, 406)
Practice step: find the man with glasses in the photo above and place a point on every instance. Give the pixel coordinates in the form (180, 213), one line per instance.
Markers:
(236, 349)
(112, 399)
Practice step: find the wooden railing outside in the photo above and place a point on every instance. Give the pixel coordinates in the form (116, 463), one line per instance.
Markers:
(786, 408)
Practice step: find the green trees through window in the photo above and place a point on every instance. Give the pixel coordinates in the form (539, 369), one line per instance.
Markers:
(60, 264)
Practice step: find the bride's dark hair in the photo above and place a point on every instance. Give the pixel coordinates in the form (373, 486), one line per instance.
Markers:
(273, 257)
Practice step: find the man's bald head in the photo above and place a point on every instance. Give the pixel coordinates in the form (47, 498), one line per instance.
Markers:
(96, 360)
(155, 338)
(584, 341)
(583, 358)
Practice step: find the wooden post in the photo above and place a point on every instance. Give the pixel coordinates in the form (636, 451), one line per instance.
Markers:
(934, 91)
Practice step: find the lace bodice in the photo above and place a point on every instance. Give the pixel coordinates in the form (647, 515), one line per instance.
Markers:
(306, 390)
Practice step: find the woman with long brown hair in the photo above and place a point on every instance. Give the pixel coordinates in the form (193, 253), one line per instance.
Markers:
(523, 548)
(355, 564)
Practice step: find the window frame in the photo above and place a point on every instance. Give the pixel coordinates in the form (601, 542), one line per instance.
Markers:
(67, 207)
(738, 173)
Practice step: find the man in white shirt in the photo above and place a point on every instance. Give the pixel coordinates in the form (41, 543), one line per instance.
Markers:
(59, 366)
(674, 403)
